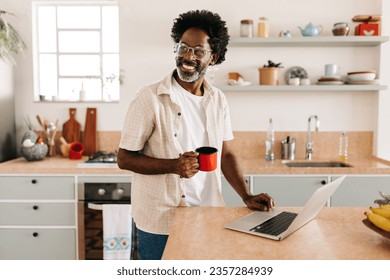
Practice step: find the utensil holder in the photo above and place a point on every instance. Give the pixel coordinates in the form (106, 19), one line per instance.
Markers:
(288, 150)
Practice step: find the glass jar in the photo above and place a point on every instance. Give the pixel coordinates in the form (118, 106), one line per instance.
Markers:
(263, 28)
(246, 29)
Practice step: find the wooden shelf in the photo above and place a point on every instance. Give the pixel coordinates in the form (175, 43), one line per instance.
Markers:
(318, 41)
(310, 88)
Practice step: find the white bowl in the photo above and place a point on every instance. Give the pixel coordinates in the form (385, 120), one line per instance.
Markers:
(361, 76)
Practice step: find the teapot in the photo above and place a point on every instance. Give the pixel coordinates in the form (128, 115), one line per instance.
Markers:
(311, 30)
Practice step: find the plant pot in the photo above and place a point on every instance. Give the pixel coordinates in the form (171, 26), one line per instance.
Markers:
(269, 76)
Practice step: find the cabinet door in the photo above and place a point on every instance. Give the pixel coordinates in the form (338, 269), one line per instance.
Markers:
(360, 190)
(231, 198)
(288, 190)
(37, 213)
(37, 244)
(37, 187)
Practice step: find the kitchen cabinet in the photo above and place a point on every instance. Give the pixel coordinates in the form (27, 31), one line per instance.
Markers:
(288, 190)
(230, 196)
(360, 190)
(318, 41)
(38, 217)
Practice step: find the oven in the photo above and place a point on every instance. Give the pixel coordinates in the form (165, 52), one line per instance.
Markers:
(93, 192)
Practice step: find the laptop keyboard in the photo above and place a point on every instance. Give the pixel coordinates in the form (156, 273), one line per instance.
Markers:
(276, 225)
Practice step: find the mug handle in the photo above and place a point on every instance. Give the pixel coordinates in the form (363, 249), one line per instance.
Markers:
(320, 28)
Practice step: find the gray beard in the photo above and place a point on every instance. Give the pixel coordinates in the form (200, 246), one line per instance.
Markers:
(191, 78)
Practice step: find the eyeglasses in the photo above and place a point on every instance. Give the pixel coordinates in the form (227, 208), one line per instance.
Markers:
(182, 49)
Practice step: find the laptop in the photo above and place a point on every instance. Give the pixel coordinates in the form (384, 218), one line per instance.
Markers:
(277, 224)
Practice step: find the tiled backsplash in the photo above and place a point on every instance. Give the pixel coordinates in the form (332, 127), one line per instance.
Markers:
(251, 144)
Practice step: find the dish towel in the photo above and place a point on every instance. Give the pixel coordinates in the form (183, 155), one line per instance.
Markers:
(116, 231)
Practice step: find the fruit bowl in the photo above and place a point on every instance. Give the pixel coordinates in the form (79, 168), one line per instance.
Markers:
(371, 226)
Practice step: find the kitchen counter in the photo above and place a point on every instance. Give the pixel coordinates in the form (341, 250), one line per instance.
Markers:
(58, 165)
(198, 233)
(250, 166)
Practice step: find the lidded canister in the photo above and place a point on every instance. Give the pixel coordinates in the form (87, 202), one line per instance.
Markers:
(263, 27)
(246, 28)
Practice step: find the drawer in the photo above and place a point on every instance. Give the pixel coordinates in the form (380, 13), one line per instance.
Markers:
(37, 187)
(42, 213)
(37, 244)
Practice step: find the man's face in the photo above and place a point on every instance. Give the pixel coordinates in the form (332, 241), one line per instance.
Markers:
(190, 64)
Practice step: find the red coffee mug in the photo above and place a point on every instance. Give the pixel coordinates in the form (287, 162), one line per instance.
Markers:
(76, 150)
(207, 158)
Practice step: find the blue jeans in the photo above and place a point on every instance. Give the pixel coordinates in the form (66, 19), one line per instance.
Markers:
(150, 246)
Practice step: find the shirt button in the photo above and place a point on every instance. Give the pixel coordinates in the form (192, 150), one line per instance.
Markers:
(183, 196)
(175, 135)
(179, 114)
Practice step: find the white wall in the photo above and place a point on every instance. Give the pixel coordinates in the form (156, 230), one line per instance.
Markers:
(147, 55)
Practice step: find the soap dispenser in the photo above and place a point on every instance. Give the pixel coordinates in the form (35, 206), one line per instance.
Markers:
(270, 142)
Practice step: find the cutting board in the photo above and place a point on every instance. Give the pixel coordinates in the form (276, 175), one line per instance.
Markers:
(89, 135)
(71, 129)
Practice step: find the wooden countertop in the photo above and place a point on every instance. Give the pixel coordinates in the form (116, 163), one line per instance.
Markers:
(337, 233)
(57, 165)
(249, 166)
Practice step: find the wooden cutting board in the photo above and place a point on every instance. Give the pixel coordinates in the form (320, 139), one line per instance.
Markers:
(89, 135)
(71, 129)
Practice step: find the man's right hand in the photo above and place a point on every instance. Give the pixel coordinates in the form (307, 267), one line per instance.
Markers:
(187, 164)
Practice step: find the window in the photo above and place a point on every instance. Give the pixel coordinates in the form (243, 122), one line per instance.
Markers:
(76, 51)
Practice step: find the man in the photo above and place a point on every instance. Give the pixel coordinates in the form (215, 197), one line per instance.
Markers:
(166, 122)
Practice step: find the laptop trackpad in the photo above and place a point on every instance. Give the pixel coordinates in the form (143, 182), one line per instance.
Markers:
(255, 218)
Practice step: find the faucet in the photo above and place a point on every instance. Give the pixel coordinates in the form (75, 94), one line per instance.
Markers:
(309, 143)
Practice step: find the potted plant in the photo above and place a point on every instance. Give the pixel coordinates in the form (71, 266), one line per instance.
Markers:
(269, 73)
(10, 41)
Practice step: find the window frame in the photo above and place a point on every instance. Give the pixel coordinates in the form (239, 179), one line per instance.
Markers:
(36, 53)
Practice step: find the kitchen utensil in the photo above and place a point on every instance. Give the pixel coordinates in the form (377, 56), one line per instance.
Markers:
(71, 129)
(64, 147)
(340, 29)
(41, 123)
(331, 69)
(311, 30)
(361, 76)
(89, 135)
(76, 150)
(207, 158)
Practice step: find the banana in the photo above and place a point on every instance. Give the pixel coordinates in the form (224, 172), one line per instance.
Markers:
(379, 221)
(384, 212)
(385, 206)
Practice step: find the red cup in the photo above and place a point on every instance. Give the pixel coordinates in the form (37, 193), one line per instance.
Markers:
(76, 150)
(207, 158)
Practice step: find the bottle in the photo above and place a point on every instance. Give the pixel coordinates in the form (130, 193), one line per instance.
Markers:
(263, 27)
(246, 28)
(269, 142)
(343, 146)
(82, 93)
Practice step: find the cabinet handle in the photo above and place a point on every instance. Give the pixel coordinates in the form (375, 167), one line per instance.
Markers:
(34, 181)
(323, 182)
(35, 207)
(35, 234)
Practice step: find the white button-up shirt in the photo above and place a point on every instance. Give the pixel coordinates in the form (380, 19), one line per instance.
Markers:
(151, 126)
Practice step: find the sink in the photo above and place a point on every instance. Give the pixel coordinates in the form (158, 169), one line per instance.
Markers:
(325, 164)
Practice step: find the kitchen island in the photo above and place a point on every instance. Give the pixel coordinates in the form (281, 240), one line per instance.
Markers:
(338, 233)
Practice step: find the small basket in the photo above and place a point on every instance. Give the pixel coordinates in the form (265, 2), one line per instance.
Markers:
(34, 153)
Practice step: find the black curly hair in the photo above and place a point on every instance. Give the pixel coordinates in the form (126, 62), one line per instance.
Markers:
(211, 23)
